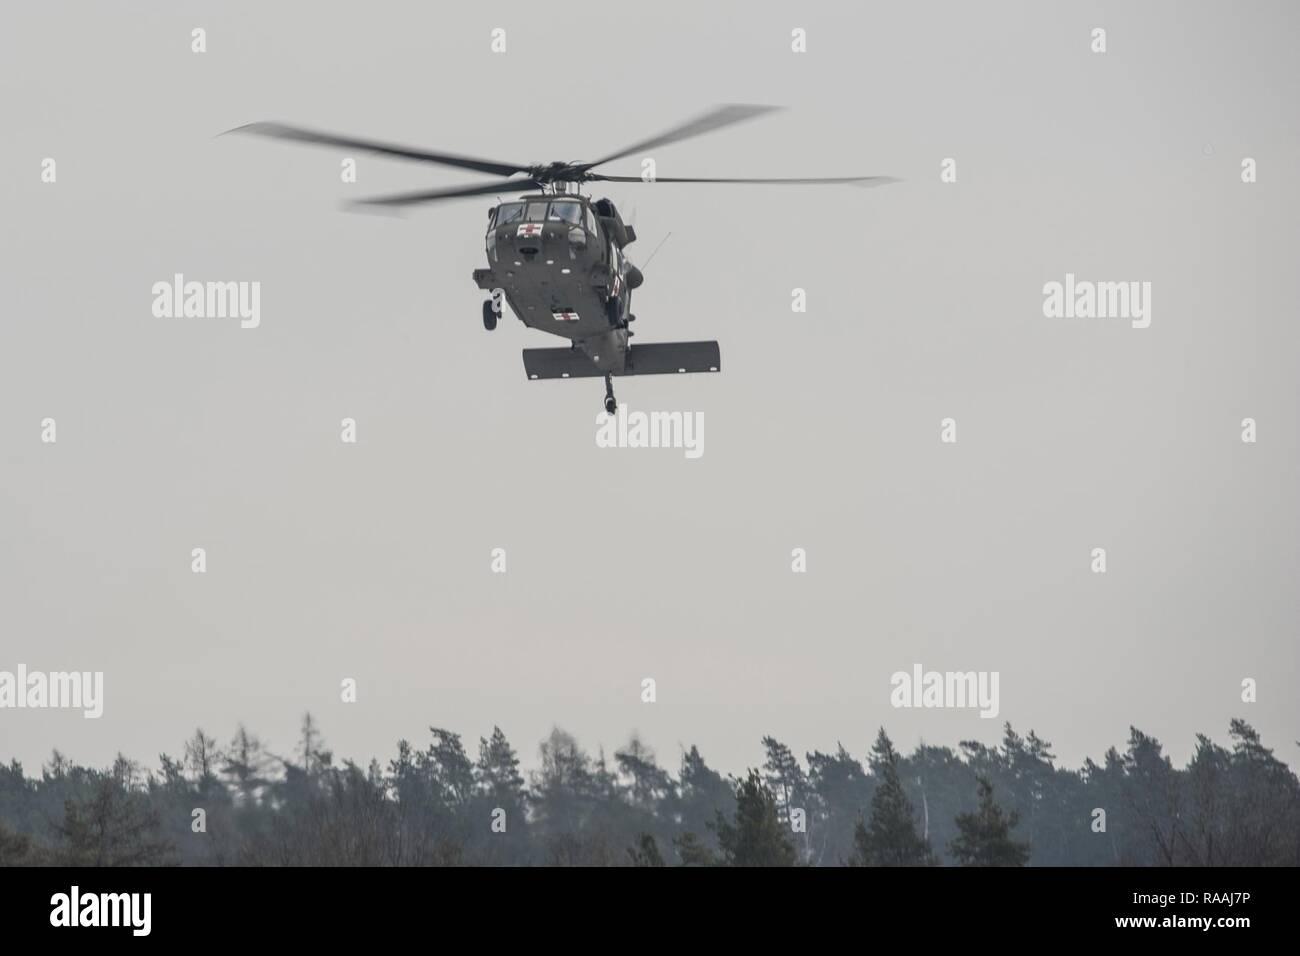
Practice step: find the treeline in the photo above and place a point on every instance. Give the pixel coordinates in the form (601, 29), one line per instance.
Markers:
(1009, 805)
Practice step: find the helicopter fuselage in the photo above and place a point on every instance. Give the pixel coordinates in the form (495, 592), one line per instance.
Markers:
(559, 263)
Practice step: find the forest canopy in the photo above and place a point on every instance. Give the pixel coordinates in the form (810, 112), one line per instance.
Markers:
(443, 803)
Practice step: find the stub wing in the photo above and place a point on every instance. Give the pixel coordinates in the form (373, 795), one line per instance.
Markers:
(656, 358)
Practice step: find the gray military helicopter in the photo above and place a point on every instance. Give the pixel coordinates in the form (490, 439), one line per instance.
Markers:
(558, 257)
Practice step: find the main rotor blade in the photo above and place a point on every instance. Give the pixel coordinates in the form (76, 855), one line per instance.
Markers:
(715, 118)
(297, 134)
(433, 195)
(851, 180)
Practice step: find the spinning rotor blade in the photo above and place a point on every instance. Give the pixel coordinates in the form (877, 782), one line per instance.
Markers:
(707, 122)
(281, 131)
(433, 195)
(853, 180)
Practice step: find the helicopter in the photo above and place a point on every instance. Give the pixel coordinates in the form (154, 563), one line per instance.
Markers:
(557, 256)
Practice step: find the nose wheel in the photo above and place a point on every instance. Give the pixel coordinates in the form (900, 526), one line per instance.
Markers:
(489, 315)
(611, 406)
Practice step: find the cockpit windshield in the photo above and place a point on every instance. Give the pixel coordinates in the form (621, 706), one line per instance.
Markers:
(509, 212)
(536, 211)
(565, 211)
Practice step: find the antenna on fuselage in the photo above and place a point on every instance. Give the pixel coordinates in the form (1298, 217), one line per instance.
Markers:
(646, 264)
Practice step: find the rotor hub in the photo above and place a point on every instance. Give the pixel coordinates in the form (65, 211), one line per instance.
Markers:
(558, 172)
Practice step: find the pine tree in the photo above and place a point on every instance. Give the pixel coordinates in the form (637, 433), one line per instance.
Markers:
(841, 789)
(1153, 795)
(314, 755)
(702, 793)
(563, 786)
(450, 767)
(890, 838)
(498, 768)
(202, 757)
(14, 847)
(785, 777)
(246, 765)
(692, 852)
(114, 825)
(984, 837)
(756, 837)
(647, 783)
(645, 852)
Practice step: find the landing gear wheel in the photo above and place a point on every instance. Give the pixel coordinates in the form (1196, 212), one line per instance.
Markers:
(611, 406)
(489, 316)
(614, 310)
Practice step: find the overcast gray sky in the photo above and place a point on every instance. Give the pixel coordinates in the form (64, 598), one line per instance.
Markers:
(328, 561)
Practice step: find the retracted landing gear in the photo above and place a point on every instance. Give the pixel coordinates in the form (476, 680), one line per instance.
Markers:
(611, 406)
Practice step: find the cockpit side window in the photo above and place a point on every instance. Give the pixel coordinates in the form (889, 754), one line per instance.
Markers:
(565, 211)
(509, 212)
(536, 211)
